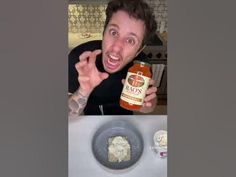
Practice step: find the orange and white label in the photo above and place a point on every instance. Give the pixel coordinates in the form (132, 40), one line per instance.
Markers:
(134, 89)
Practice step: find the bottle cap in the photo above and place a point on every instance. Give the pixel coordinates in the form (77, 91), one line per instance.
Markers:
(142, 63)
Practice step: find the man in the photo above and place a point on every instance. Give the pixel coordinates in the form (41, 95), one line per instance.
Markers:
(97, 68)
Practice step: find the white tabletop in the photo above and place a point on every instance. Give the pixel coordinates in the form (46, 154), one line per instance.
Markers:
(82, 163)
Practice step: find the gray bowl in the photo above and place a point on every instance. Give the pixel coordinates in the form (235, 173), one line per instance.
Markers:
(117, 128)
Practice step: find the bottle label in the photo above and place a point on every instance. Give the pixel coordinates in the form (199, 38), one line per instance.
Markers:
(134, 89)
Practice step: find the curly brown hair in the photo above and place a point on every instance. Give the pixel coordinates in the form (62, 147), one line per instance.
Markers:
(137, 9)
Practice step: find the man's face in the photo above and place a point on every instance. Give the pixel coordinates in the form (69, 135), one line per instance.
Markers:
(121, 41)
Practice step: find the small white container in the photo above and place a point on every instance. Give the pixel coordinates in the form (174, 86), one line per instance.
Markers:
(160, 142)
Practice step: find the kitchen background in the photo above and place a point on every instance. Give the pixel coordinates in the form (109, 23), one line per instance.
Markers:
(86, 20)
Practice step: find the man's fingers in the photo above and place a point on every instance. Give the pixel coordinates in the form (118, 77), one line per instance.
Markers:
(104, 75)
(150, 97)
(80, 64)
(151, 90)
(85, 55)
(151, 82)
(148, 104)
(123, 81)
(88, 54)
(81, 67)
(93, 56)
(97, 52)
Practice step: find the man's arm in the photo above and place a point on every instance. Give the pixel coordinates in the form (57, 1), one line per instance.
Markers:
(76, 103)
(89, 77)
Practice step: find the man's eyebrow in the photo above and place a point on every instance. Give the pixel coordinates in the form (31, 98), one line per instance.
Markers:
(113, 25)
(133, 34)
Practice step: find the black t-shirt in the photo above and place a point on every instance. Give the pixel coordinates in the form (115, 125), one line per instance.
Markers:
(104, 99)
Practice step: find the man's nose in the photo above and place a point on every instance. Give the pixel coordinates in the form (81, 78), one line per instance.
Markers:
(118, 45)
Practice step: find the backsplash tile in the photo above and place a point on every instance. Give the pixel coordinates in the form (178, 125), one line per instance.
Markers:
(90, 18)
(86, 18)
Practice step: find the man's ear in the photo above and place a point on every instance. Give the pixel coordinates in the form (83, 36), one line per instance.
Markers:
(140, 50)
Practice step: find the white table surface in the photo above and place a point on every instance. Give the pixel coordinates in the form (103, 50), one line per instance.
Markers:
(82, 163)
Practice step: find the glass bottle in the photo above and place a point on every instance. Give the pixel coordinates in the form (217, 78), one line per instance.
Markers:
(135, 86)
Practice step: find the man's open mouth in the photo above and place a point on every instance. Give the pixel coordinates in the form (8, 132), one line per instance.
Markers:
(112, 61)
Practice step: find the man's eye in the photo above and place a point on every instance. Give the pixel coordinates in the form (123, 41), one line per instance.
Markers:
(113, 32)
(130, 41)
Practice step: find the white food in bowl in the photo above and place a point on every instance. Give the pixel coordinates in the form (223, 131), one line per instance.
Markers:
(118, 149)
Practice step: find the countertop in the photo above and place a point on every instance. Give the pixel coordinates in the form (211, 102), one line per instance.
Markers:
(82, 162)
(75, 39)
